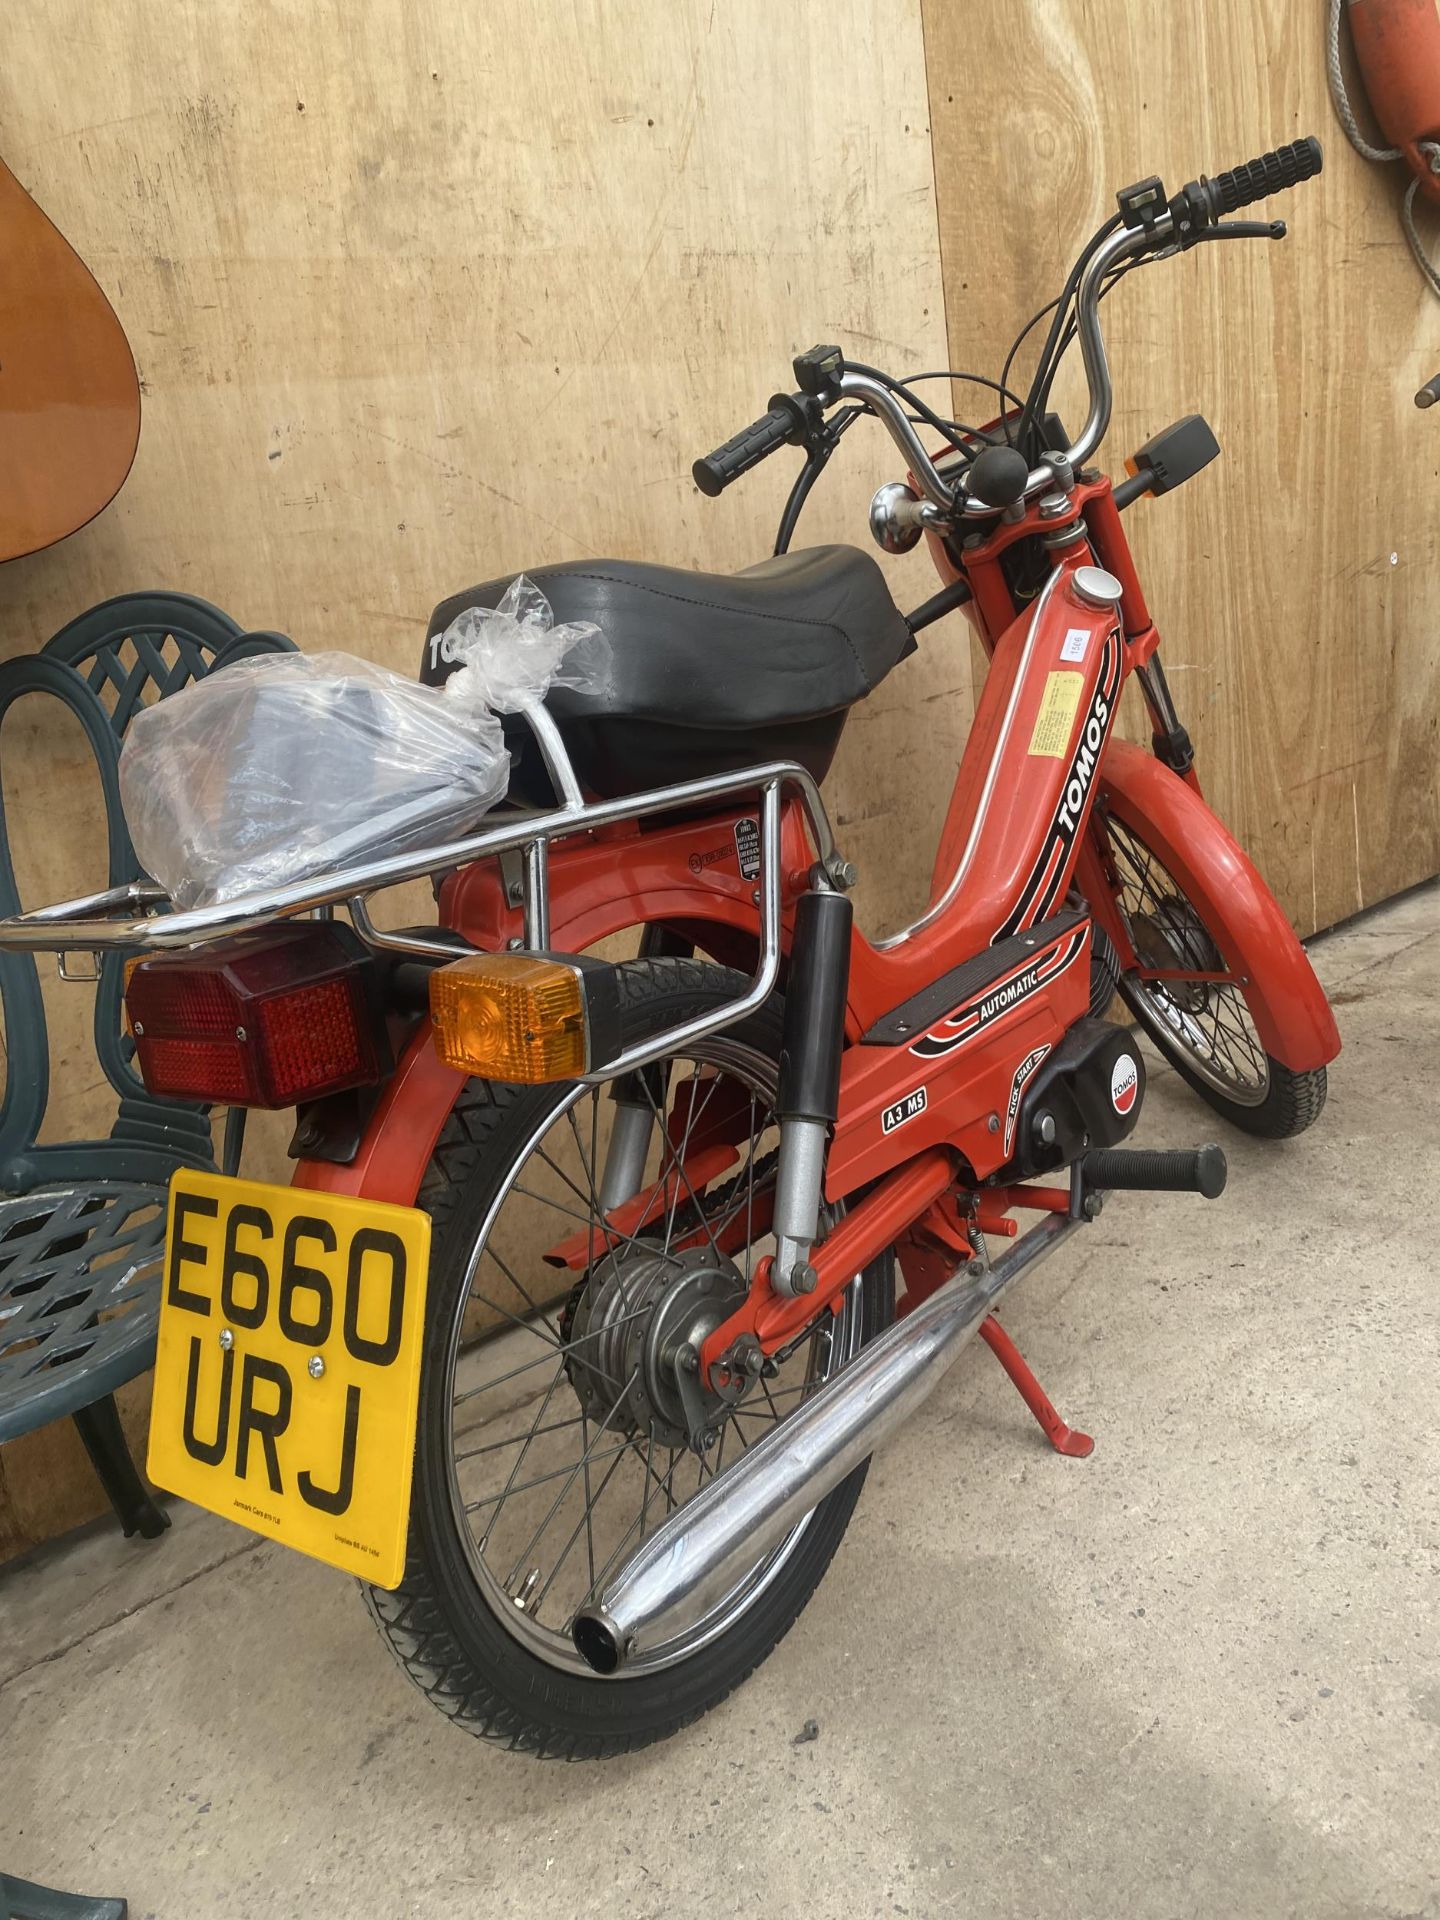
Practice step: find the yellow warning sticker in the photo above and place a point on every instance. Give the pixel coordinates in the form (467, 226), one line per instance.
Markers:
(1057, 715)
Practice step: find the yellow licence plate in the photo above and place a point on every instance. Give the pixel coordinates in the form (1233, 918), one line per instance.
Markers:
(288, 1368)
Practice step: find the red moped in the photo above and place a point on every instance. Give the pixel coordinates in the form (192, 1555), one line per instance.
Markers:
(600, 1280)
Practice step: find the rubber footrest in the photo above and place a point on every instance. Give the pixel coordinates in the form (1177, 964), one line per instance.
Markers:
(1195, 1170)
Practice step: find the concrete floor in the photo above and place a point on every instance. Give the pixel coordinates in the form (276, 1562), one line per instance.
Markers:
(1197, 1674)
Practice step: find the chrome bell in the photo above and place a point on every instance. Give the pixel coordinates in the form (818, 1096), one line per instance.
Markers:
(895, 517)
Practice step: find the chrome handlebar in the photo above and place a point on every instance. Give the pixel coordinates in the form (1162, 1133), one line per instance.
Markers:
(943, 499)
(1092, 342)
(879, 400)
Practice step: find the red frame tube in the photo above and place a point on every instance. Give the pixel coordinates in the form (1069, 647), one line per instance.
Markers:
(862, 1236)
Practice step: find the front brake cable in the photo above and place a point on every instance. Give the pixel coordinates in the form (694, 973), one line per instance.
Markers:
(820, 442)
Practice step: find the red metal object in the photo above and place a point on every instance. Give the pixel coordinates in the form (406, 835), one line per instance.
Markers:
(966, 1065)
(1397, 48)
(926, 1262)
(1063, 1438)
(1190, 977)
(1256, 941)
(928, 1250)
(686, 875)
(1112, 550)
(1032, 1199)
(396, 1147)
(874, 1224)
(1021, 829)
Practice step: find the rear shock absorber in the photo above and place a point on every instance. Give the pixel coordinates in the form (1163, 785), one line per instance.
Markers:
(808, 1099)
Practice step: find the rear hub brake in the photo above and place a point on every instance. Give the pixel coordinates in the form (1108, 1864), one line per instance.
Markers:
(634, 1331)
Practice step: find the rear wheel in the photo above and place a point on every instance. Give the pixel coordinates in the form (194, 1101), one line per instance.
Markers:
(1202, 1026)
(552, 1439)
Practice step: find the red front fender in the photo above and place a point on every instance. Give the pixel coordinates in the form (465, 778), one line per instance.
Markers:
(1286, 1001)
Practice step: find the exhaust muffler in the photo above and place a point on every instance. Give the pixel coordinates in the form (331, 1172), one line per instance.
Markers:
(715, 1542)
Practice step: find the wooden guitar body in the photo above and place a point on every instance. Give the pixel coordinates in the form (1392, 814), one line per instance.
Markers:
(69, 396)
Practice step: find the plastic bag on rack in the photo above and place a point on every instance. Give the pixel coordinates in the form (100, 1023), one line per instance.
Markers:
(295, 765)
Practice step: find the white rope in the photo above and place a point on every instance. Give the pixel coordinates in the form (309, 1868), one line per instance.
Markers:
(1340, 100)
(1345, 114)
(1407, 217)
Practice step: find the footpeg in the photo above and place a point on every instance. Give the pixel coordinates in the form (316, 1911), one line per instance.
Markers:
(1200, 1170)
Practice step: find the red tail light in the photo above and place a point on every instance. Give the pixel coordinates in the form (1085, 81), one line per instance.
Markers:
(266, 1019)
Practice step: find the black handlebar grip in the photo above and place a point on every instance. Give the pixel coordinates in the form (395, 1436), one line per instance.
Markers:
(1201, 1170)
(1243, 185)
(748, 448)
(1429, 393)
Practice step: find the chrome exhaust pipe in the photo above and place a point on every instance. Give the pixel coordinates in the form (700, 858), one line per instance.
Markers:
(711, 1547)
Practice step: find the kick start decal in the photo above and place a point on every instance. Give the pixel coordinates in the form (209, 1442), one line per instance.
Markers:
(1024, 1074)
(1042, 889)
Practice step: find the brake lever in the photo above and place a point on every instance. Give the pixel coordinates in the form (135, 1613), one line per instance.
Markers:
(1228, 230)
(1245, 230)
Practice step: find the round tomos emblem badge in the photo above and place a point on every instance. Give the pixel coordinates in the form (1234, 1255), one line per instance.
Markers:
(1124, 1083)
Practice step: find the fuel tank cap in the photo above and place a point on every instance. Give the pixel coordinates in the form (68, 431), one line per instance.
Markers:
(1096, 587)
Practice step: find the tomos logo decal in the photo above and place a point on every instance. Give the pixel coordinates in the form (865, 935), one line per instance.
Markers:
(1047, 876)
(1124, 1084)
(1024, 1074)
(1087, 756)
(976, 1014)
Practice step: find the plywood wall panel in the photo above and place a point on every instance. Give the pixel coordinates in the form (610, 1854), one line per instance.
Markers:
(419, 298)
(1296, 581)
(424, 291)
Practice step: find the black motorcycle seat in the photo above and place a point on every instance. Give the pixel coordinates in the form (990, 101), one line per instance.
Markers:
(709, 672)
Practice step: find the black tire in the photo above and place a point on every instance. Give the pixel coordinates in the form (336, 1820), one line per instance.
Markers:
(1292, 1102)
(1206, 1033)
(440, 1623)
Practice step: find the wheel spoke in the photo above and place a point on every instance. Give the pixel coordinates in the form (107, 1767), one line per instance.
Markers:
(493, 1446)
(624, 1540)
(529, 1440)
(684, 1180)
(581, 1525)
(540, 1360)
(551, 1334)
(677, 1158)
(589, 1504)
(541, 1479)
(1208, 1023)
(555, 1496)
(645, 1501)
(536, 1537)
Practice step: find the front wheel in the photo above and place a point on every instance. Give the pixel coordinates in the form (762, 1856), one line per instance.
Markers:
(551, 1436)
(1202, 1026)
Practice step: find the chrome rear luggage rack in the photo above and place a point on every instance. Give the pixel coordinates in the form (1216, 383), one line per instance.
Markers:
(138, 917)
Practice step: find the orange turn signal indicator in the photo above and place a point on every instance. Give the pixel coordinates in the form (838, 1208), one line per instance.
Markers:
(517, 1017)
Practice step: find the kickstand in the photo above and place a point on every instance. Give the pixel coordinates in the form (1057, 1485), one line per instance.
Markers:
(1064, 1439)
